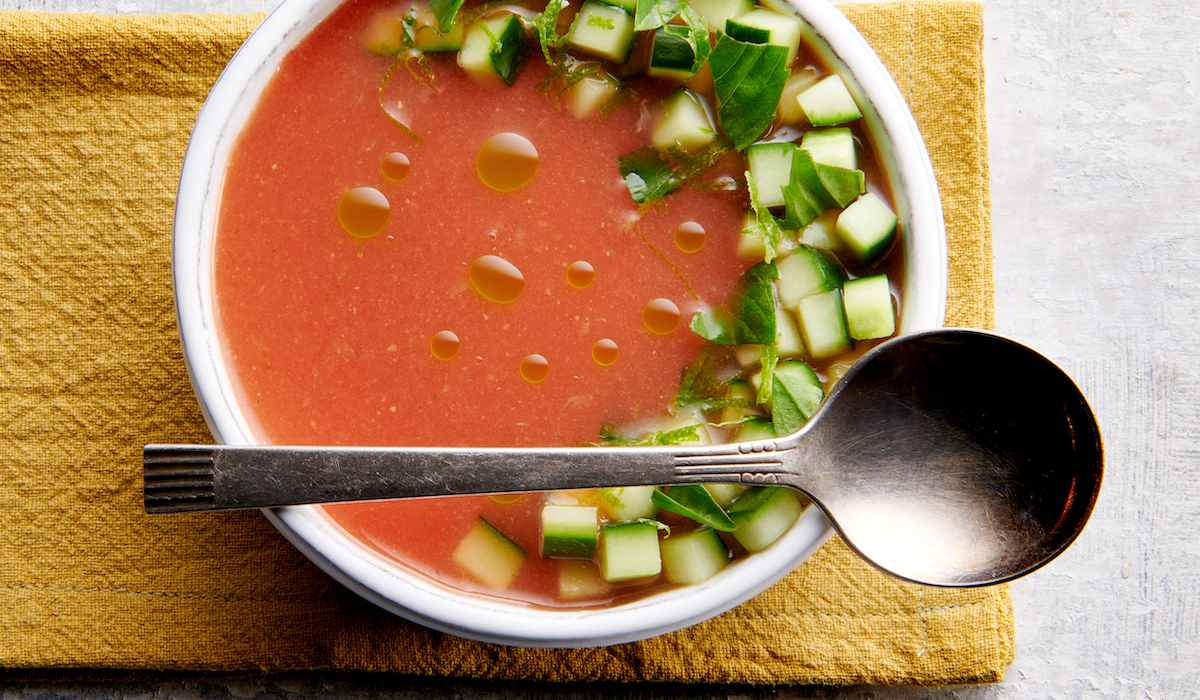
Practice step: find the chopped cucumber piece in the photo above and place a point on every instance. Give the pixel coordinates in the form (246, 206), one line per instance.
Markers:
(770, 165)
(869, 311)
(428, 36)
(629, 6)
(603, 30)
(724, 494)
(763, 514)
(788, 112)
(755, 429)
(683, 122)
(590, 93)
(487, 555)
(671, 56)
(823, 324)
(832, 147)
(694, 557)
(569, 532)
(628, 502)
(717, 12)
(495, 47)
(740, 389)
(821, 233)
(629, 551)
(748, 356)
(787, 335)
(796, 395)
(868, 226)
(828, 102)
(807, 271)
(385, 34)
(767, 27)
(578, 578)
(816, 188)
(445, 11)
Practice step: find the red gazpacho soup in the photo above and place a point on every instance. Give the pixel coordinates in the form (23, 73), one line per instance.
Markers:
(468, 224)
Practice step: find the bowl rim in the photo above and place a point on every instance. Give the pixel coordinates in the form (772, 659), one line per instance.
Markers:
(413, 596)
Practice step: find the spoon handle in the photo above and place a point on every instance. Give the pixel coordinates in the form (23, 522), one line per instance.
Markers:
(181, 478)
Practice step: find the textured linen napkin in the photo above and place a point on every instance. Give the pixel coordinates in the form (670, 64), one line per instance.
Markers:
(95, 114)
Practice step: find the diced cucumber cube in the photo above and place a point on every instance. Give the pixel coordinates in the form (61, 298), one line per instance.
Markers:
(590, 93)
(578, 578)
(628, 502)
(717, 12)
(569, 532)
(807, 271)
(671, 56)
(829, 102)
(428, 35)
(740, 389)
(748, 356)
(603, 30)
(755, 429)
(787, 335)
(823, 324)
(724, 494)
(487, 555)
(832, 147)
(770, 165)
(763, 514)
(693, 557)
(495, 47)
(683, 122)
(788, 111)
(629, 551)
(821, 233)
(868, 227)
(385, 34)
(767, 27)
(869, 310)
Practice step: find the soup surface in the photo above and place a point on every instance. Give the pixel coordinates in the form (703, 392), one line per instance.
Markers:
(479, 276)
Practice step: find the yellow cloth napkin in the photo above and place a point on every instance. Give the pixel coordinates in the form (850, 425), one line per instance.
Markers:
(95, 116)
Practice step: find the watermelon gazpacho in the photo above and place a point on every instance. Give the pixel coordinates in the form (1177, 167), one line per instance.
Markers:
(612, 222)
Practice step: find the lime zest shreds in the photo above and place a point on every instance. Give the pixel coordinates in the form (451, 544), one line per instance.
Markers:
(545, 25)
(694, 502)
(764, 224)
(701, 389)
(677, 436)
(770, 355)
(601, 22)
(748, 80)
(403, 58)
(651, 174)
(444, 11)
(660, 526)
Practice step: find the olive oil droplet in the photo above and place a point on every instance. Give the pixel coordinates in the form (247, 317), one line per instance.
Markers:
(661, 316)
(534, 368)
(444, 345)
(363, 212)
(580, 274)
(497, 279)
(689, 237)
(507, 162)
(396, 167)
(604, 352)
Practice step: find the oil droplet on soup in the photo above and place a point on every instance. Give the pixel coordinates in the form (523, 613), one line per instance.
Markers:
(604, 352)
(507, 162)
(364, 212)
(689, 237)
(580, 274)
(497, 279)
(661, 316)
(444, 345)
(396, 167)
(534, 368)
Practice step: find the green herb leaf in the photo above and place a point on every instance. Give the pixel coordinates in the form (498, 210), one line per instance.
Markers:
(545, 25)
(764, 225)
(652, 14)
(695, 502)
(796, 397)
(750, 317)
(651, 174)
(770, 355)
(700, 389)
(748, 79)
(678, 436)
(444, 11)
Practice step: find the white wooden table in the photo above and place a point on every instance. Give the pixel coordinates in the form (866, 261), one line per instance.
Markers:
(1094, 127)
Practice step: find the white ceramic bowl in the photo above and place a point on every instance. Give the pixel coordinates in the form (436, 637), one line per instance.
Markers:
(414, 597)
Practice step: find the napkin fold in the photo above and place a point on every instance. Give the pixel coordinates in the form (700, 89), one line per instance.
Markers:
(96, 113)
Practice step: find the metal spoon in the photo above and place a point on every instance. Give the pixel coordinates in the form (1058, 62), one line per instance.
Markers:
(950, 457)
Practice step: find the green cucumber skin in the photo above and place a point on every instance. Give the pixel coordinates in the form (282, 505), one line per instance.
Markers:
(868, 227)
(630, 551)
(510, 51)
(671, 56)
(869, 312)
(763, 514)
(569, 532)
(823, 324)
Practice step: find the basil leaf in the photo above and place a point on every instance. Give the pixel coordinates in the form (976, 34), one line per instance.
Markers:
(444, 11)
(797, 396)
(695, 502)
(764, 224)
(713, 326)
(748, 79)
(652, 14)
(750, 317)
(650, 174)
(545, 24)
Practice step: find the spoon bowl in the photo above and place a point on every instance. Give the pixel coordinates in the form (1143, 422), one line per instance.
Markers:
(949, 457)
